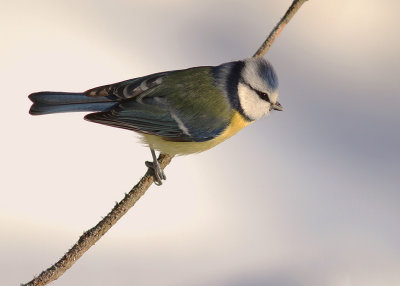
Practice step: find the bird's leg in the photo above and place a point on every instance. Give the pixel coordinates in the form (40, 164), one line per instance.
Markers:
(158, 172)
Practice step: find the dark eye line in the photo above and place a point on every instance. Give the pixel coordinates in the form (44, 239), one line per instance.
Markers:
(262, 95)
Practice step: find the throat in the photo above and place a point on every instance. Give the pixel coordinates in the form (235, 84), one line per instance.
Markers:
(238, 122)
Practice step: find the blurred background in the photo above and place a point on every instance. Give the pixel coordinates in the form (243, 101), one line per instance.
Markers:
(309, 196)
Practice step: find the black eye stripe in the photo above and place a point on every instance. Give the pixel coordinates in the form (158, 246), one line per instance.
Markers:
(262, 95)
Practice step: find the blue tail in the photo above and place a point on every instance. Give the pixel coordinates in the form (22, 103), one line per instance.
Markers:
(47, 102)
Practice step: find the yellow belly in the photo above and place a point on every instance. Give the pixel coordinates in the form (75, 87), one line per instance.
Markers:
(183, 148)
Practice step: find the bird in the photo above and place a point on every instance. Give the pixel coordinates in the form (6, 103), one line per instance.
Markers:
(176, 112)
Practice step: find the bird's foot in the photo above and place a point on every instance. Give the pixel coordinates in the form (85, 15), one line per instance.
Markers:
(158, 173)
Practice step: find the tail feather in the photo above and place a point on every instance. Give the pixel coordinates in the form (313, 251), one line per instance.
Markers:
(47, 102)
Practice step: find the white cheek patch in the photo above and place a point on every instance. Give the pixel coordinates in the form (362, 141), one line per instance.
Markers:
(253, 106)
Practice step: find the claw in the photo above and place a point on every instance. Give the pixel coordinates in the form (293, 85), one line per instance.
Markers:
(156, 168)
(158, 173)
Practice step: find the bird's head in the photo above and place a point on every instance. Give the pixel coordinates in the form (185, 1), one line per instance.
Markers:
(258, 88)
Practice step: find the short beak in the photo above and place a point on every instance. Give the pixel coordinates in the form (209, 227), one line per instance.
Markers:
(277, 106)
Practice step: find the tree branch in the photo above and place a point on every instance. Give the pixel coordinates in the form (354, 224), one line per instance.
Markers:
(90, 237)
(279, 27)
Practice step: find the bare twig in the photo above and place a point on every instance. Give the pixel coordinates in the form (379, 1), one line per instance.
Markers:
(90, 237)
(279, 27)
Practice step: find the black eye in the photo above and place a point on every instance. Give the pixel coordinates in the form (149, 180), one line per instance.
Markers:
(263, 95)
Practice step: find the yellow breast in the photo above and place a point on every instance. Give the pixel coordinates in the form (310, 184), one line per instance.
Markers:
(183, 148)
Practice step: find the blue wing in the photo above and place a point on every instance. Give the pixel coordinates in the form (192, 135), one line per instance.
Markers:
(146, 105)
(148, 117)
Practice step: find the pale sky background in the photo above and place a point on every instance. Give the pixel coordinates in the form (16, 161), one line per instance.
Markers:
(306, 197)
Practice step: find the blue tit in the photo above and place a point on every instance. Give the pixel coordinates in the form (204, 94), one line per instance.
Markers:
(177, 112)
